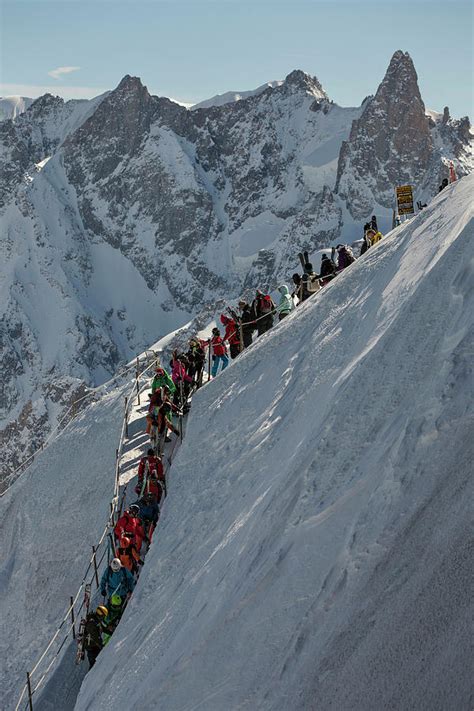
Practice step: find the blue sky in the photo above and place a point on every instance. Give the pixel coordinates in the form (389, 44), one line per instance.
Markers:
(193, 50)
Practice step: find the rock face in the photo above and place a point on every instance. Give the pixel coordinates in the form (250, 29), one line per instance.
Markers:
(393, 143)
(126, 215)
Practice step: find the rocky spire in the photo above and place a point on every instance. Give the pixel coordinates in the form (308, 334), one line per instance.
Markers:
(389, 145)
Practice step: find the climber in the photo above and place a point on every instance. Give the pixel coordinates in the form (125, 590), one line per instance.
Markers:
(444, 184)
(219, 353)
(263, 308)
(162, 379)
(128, 555)
(232, 335)
(116, 580)
(92, 635)
(130, 525)
(247, 321)
(309, 282)
(297, 291)
(286, 302)
(181, 379)
(344, 256)
(115, 612)
(373, 236)
(196, 357)
(327, 270)
(155, 400)
(149, 513)
(151, 476)
(164, 422)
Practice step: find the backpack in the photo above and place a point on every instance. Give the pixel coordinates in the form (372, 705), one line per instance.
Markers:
(348, 255)
(312, 284)
(265, 304)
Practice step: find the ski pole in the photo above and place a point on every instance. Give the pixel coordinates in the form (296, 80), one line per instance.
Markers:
(30, 695)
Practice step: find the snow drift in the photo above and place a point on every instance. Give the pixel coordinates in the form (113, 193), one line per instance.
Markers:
(313, 552)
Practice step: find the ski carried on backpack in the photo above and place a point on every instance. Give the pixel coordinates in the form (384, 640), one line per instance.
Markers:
(304, 259)
(80, 654)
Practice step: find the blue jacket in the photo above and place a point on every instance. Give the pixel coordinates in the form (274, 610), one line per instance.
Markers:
(121, 582)
(149, 511)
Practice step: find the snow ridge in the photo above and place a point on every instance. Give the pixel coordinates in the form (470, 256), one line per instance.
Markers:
(318, 509)
(314, 550)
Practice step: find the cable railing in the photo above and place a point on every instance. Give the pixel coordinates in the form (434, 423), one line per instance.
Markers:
(71, 413)
(95, 561)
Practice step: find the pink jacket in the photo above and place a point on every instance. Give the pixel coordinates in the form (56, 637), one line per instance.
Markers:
(179, 372)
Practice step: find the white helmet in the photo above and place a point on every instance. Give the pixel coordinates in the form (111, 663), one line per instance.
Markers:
(115, 565)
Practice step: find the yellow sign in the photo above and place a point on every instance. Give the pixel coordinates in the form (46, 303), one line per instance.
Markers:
(405, 200)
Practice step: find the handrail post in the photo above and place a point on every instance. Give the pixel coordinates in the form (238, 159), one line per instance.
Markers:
(209, 362)
(126, 418)
(30, 694)
(138, 387)
(96, 572)
(72, 618)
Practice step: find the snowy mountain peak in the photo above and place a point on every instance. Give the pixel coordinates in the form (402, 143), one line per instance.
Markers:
(391, 143)
(45, 103)
(400, 78)
(13, 106)
(131, 84)
(300, 80)
(230, 97)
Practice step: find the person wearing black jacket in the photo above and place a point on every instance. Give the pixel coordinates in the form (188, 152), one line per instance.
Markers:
(327, 270)
(248, 323)
(263, 309)
(196, 357)
(93, 629)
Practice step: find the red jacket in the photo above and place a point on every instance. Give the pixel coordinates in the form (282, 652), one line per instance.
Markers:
(218, 347)
(231, 330)
(131, 527)
(154, 465)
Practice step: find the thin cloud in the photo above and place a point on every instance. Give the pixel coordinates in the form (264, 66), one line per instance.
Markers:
(58, 73)
(66, 92)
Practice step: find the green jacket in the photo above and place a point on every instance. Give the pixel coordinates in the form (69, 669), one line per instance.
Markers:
(286, 302)
(162, 380)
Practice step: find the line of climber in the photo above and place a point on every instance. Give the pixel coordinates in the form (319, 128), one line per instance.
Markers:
(133, 532)
(170, 395)
(241, 325)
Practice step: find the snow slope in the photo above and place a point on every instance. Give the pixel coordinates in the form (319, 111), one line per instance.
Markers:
(49, 520)
(313, 553)
(13, 106)
(230, 97)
